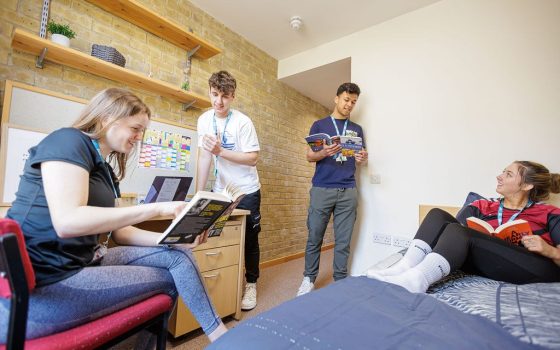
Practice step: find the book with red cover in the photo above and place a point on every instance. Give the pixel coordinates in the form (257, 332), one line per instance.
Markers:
(511, 231)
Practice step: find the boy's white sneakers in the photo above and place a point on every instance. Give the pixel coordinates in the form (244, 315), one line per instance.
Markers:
(249, 300)
(306, 286)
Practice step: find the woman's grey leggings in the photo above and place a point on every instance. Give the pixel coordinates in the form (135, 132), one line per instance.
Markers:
(126, 275)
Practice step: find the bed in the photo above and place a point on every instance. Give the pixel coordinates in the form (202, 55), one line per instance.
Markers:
(459, 312)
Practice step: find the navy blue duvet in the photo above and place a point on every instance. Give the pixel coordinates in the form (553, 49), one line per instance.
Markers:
(361, 313)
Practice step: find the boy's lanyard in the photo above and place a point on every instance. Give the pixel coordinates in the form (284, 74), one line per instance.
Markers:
(501, 211)
(96, 145)
(339, 157)
(223, 140)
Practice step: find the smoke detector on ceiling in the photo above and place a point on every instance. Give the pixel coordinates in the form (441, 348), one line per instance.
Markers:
(296, 22)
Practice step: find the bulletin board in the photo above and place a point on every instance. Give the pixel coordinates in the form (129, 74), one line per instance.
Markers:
(30, 113)
(166, 150)
(19, 140)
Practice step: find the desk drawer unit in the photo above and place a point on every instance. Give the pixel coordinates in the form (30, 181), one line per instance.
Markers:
(222, 288)
(221, 267)
(215, 258)
(230, 235)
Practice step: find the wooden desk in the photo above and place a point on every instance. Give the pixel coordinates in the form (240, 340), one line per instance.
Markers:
(221, 264)
(4, 210)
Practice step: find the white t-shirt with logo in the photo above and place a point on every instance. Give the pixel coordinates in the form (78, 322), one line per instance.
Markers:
(240, 136)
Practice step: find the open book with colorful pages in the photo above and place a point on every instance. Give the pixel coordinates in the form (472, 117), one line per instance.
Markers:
(349, 144)
(317, 141)
(511, 231)
(205, 211)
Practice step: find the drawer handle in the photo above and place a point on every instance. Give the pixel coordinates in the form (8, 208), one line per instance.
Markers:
(212, 276)
(213, 253)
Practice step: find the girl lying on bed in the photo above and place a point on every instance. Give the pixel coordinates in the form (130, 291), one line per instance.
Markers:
(443, 244)
(66, 198)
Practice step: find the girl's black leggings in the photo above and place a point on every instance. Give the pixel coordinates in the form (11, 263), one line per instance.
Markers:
(483, 255)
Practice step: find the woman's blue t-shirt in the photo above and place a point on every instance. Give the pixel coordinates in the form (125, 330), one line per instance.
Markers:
(56, 258)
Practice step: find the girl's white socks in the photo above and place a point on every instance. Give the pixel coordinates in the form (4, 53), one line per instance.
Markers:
(415, 253)
(417, 279)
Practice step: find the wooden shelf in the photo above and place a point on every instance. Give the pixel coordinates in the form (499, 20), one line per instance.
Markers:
(34, 44)
(135, 13)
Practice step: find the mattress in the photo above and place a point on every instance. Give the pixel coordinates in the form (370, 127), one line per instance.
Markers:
(530, 312)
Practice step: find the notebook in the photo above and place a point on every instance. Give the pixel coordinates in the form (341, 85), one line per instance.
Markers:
(168, 188)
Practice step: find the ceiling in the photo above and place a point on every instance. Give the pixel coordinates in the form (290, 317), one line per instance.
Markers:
(320, 83)
(266, 24)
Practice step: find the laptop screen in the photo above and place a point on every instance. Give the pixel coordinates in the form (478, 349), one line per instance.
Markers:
(168, 188)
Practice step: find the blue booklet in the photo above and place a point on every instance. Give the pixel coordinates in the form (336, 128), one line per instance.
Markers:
(350, 145)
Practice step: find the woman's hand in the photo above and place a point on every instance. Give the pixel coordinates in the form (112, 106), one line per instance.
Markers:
(170, 208)
(536, 244)
(202, 238)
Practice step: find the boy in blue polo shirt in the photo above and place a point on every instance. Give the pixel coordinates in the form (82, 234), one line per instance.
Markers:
(334, 188)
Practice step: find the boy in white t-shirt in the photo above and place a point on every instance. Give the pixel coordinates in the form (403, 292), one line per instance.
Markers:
(227, 138)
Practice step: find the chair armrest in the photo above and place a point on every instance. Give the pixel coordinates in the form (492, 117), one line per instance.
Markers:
(12, 266)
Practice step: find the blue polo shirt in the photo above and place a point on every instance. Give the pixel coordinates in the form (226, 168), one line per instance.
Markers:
(56, 258)
(328, 172)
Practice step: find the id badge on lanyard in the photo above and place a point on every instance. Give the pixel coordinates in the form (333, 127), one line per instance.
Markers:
(223, 140)
(101, 248)
(339, 157)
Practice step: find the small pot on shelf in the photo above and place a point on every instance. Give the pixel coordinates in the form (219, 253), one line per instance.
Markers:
(60, 33)
(60, 39)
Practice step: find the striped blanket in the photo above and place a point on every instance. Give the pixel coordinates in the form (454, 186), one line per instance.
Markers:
(530, 312)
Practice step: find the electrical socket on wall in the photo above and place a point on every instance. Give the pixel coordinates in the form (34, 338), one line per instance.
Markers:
(381, 238)
(375, 179)
(400, 241)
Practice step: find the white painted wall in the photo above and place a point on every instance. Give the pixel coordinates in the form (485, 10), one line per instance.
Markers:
(451, 93)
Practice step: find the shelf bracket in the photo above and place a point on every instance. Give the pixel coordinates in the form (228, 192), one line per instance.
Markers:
(186, 106)
(187, 70)
(191, 53)
(41, 58)
(44, 18)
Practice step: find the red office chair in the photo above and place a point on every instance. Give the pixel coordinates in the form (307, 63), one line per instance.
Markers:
(17, 280)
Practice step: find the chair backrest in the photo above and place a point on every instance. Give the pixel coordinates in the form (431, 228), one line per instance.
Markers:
(18, 280)
(10, 226)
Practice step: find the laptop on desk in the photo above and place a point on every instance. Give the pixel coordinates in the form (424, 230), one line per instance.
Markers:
(168, 188)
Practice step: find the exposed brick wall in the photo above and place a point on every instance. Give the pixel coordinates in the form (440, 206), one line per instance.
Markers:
(281, 115)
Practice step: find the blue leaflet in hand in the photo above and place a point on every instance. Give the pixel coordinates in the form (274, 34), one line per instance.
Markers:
(350, 145)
